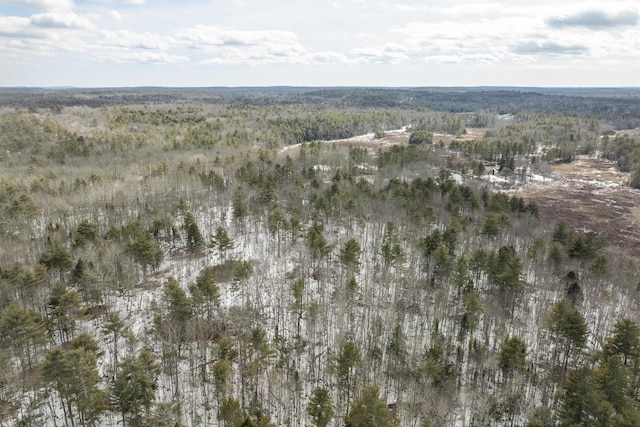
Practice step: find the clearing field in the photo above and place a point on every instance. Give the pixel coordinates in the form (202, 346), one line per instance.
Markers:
(591, 194)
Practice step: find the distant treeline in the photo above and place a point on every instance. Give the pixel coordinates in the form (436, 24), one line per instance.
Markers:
(617, 107)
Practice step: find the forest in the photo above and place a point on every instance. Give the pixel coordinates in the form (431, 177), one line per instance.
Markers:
(295, 256)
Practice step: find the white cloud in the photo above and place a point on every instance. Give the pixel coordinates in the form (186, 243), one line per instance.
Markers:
(45, 5)
(408, 8)
(142, 57)
(389, 54)
(15, 26)
(596, 19)
(115, 15)
(231, 46)
(548, 48)
(328, 58)
(205, 36)
(475, 10)
(133, 40)
(61, 20)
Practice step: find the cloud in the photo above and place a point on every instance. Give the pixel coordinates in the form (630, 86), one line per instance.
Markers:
(45, 5)
(14, 26)
(206, 36)
(321, 58)
(231, 46)
(596, 19)
(133, 40)
(115, 15)
(61, 20)
(408, 8)
(474, 10)
(389, 54)
(549, 48)
(142, 57)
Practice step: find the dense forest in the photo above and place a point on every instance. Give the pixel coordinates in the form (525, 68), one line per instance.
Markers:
(235, 257)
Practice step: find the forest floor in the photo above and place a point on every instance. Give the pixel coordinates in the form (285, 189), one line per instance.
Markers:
(591, 194)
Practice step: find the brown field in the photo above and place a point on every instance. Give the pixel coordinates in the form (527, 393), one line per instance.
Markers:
(399, 137)
(592, 194)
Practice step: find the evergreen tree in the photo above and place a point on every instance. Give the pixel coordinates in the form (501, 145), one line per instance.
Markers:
(145, 251)
(180, 308)
(192, 232)
(114, 325)
(578, 399)
(133, 389)
(513, 354)
(346, 361)
(320, 408)
(277, 222)
(316, 243)
(568, 330)
(230, 412)
(612, 380)
(625, 341)
(239, 205)
(221, 242)
(221, 371)
(563, 234)
(392, 252)
(56, 256)
(74, 375)
(350, 255)
(85, 232)
(370, 410)
(22, 331)
(205, 291)
(66, 307)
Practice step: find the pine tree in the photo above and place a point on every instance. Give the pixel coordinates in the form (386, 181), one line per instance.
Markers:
(193, 236)
(317, 244)
(513, 354)
(346, 361)
(277, 222)
(180, 308)
(114, 325)
(230, 412)
(133, 389)
(320, 408)
(578, 398)
(23, 331)
(568, 329)
(370, 410)
(205, 291)
(612, 380)
(350, 255)
(221, 242)
(392, 252)
(56, 256)
(74, 375)
(221, 371)
(625, 341)
(145, 251)
(66, 307)
(84, 233)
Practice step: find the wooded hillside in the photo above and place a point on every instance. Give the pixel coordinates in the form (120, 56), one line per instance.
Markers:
(216, 257)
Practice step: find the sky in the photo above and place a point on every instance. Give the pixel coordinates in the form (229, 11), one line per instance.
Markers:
(193, 43)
